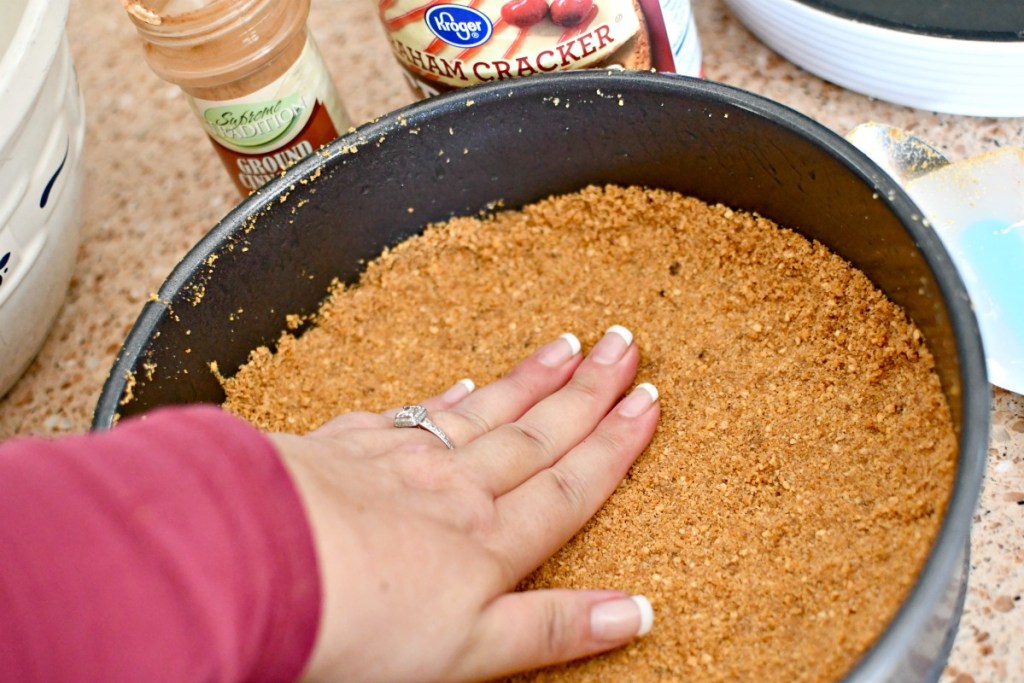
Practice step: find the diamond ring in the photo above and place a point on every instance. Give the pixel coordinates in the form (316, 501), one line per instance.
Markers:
(416, 416)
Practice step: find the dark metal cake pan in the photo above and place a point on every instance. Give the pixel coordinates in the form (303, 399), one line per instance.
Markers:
(520, 141)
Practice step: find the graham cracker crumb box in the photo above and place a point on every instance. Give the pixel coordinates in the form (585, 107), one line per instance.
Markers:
(449, 45)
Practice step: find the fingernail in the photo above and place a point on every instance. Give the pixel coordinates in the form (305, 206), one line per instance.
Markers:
(612, 346)
(621, 619)
(559, 351)
(462, 389)
(639, 400)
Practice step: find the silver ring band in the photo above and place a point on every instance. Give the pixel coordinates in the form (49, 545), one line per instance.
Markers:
(416, 416)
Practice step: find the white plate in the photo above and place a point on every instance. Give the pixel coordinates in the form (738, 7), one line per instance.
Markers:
(976, 207)
(937, 73)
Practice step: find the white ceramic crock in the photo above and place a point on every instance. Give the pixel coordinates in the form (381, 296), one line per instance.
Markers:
(42, 128)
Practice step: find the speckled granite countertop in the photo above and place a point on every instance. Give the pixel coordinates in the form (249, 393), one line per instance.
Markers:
(154, 186)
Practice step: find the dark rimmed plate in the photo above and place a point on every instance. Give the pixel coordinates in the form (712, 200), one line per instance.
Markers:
(958, 57)
(996, 20)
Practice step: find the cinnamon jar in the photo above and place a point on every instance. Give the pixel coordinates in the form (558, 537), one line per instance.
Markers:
(253, 75)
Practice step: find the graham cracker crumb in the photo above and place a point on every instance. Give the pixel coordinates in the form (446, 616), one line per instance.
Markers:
(804, 457)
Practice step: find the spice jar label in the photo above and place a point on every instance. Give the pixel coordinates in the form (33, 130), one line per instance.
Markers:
(261, 134)
(253, 125)
(456, 44)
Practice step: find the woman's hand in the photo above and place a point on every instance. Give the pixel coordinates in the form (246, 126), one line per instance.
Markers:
(421, 547)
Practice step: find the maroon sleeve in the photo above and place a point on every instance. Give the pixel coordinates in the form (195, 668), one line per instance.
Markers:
(173, 548)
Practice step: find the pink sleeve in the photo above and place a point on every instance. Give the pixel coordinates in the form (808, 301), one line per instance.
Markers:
(173, 548)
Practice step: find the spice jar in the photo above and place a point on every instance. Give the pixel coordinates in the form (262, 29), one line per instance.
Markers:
(459, 43)
(253, 75)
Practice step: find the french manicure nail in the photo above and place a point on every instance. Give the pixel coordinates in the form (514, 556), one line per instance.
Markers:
(461, 389)
(620, 619)
(612, 345)
(559, 351)
(639, 400)
(646, 614)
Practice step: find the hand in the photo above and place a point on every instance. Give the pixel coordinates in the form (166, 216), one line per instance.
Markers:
(421, 547)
